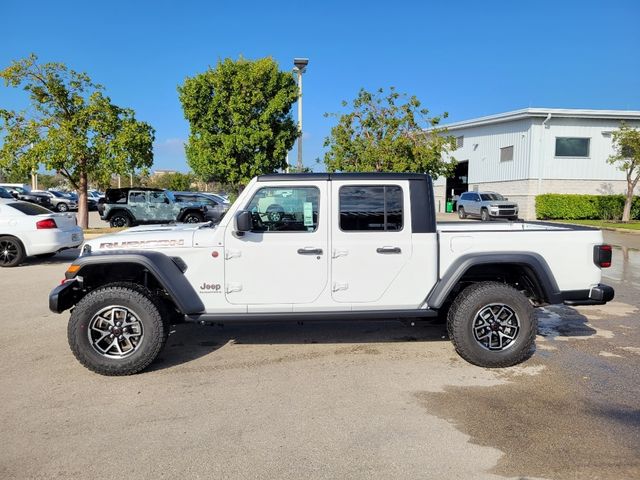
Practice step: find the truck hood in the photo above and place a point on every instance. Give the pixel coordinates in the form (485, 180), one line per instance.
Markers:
(147, 237)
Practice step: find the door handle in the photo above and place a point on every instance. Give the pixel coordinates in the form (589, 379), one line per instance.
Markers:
(388, 250)
(310, 251)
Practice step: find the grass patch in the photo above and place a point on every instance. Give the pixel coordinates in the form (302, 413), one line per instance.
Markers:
(102, 230)
(633, 225)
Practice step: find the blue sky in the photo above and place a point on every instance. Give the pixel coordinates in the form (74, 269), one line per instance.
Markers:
(469, 58)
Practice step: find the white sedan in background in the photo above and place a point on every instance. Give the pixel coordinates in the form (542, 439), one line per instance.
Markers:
(27, 229)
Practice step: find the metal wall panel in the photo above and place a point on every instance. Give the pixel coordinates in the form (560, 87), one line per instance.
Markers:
(482, 146)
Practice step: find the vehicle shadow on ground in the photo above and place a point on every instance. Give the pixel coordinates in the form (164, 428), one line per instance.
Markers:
(563, 321)
(66, 256)
(189, 341)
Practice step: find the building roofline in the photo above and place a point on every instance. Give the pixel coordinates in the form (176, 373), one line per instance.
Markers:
(543, 113)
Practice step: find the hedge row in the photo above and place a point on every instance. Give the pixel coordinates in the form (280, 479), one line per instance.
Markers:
(553, 206)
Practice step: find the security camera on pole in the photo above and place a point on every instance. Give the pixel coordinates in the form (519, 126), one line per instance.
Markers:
(300, 67)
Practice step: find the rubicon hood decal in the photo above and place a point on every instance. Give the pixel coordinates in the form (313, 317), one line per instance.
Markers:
(143, 243)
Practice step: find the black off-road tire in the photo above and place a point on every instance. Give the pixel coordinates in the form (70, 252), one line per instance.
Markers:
(461, 213)
(120, 220)
(484, 215)
(149, 310)
(462, 315)
(193, 217)
(11, 251)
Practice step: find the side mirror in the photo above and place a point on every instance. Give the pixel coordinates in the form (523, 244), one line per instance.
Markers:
(244, 222)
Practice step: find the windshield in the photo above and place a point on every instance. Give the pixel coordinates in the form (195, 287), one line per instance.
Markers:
(57, 194)
(491, 196)
(171, 196)
(5, 194)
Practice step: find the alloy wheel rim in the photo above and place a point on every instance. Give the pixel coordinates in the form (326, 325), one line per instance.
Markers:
(119, 221)
(8, 252)
(115, 332)
(496, 327)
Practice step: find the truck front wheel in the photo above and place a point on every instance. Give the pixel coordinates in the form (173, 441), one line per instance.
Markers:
(117, 329)
(492, 325)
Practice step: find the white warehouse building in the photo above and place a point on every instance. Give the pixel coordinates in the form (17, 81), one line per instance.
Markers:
(532, 151)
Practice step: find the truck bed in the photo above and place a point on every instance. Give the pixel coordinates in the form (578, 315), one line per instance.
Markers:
(567, 250)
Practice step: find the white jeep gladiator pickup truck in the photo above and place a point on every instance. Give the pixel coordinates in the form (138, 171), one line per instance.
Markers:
(327, 246)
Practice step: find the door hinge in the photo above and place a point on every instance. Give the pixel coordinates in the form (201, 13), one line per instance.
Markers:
(233, 287)
(337, 286)
(232, 254)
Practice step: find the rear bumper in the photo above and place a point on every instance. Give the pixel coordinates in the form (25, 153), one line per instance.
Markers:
(54, 240)
(598, 295)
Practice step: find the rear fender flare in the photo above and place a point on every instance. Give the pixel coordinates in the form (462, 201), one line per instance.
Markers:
(459, 267)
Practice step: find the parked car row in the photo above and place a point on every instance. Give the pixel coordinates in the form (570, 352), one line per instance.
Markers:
(126, 207)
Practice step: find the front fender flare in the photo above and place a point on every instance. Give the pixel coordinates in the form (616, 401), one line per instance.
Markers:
(168, 273)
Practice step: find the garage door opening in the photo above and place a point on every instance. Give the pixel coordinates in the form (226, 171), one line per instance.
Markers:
(459, 182)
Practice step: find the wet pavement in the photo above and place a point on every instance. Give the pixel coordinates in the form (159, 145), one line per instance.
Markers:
(573, 411)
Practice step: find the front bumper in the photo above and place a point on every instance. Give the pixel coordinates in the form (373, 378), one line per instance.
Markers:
(597, 295)
(63, 296)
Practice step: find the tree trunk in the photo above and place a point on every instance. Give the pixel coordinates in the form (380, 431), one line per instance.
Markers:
(628, 202)
(83, 212)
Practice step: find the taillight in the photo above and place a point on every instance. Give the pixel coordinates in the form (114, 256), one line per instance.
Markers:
(602, 255)
(46, 223)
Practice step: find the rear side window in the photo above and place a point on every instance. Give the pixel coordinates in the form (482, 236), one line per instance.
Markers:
(137, 197)
(29, 208)
(375, 207)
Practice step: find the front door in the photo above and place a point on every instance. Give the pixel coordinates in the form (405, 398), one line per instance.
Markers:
(160, 209)
(284, 259)
(371, 239)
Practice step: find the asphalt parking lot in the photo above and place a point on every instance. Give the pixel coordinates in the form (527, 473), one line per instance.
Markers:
(362, 400)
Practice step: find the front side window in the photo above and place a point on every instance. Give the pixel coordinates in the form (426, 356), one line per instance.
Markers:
(277, 209)
(157, 197)
(572, 147)
(376, 207)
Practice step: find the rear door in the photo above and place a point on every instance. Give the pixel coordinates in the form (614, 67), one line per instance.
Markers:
(137, 203)
(371, 235)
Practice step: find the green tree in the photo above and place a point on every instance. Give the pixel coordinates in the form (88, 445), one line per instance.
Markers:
(70, 127)
(172, 181)
(388, 133)
(240, 118)
(626, 143)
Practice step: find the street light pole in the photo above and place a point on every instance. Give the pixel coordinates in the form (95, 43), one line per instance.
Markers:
(300, 67)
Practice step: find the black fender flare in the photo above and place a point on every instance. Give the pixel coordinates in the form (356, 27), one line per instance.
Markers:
(113, 211)
(169, 273)
(184, 211)
(533, 261)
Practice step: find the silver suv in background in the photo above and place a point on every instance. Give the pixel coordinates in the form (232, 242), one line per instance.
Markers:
(486, 206)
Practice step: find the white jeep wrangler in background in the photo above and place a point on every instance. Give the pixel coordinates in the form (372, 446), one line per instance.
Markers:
(327, 246)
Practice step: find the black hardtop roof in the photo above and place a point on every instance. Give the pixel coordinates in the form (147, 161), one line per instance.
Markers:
(292, 177)
(128, 189)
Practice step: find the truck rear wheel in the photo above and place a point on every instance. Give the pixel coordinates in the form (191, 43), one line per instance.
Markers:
(117, 329)
(492, 325)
